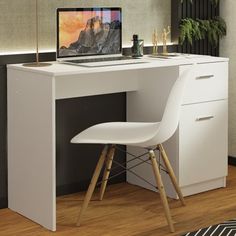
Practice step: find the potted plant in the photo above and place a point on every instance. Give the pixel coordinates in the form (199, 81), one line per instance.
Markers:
(213, 29)
(197, 29)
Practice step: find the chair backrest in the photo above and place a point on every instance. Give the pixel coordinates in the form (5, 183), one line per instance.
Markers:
(171, 115)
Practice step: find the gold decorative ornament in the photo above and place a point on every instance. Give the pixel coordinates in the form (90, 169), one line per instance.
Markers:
(155, 42)
(165, 34)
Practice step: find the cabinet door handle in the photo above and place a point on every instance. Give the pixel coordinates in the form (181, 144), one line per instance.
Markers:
(204, 77)
(204, 118)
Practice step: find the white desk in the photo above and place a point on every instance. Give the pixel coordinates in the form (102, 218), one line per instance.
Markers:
(31, 123)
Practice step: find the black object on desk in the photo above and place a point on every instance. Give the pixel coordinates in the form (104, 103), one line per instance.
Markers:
(137, 48)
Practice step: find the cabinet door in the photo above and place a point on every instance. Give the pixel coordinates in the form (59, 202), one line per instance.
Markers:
(203, 142)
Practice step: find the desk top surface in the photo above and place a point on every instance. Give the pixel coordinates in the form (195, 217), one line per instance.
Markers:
(59, 69)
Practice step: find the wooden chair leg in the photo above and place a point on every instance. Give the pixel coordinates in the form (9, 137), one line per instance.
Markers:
(92, 184)
(171, 173)
(161, 190)
(107, 171)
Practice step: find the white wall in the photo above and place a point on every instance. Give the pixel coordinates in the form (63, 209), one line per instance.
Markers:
(17, 20)
(228, 49)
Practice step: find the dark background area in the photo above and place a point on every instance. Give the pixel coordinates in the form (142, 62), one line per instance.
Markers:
(75, 163)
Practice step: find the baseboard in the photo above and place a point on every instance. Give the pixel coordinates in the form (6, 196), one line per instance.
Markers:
(232, 161)
(3, 203)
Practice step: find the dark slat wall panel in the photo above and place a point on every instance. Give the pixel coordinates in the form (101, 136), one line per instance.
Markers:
(202, 9)
(3, 137)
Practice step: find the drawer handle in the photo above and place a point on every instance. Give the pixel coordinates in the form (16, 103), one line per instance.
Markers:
(205, 118)
(205, 77)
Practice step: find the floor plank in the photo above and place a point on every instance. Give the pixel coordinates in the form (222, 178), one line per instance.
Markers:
(129, 210)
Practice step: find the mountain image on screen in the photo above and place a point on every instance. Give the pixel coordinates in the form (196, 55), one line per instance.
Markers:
(96, 38)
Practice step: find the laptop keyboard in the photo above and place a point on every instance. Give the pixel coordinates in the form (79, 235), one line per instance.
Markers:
(101, 59)
(107, 61)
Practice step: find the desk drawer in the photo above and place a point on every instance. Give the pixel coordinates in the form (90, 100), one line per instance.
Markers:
(210, 83)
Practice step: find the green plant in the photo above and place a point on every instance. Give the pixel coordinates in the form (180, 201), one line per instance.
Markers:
(213, 29)
(189, 30)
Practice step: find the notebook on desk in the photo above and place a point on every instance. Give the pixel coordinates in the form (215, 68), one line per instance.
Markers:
(91, 37)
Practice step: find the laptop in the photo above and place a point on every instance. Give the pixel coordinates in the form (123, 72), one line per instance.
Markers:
(91, 37)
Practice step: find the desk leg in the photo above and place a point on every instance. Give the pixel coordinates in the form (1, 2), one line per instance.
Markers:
(31, 147)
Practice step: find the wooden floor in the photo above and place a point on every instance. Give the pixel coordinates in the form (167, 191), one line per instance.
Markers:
(129, 210)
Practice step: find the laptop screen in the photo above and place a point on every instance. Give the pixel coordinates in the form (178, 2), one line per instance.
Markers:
(88, 31)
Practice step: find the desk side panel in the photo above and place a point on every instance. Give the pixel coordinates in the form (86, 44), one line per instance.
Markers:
(31, 146)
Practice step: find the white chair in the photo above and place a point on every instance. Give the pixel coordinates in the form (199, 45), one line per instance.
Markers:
(146, 135)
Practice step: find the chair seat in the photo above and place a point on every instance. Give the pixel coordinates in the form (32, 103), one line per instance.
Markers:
(124, 133)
